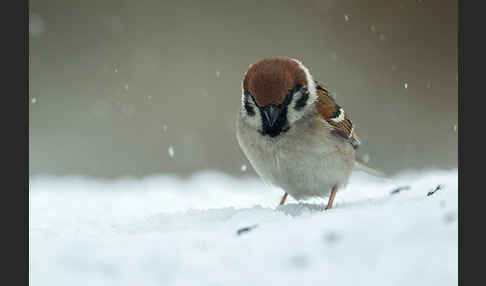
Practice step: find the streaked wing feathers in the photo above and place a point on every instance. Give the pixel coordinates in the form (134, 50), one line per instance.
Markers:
(335, 116)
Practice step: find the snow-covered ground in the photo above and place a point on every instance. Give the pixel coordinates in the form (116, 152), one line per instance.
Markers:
(163, 230)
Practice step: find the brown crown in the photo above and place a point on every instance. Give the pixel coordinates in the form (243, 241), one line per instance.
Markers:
(270, 79)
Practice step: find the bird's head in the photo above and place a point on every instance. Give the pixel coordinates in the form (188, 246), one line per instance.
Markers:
(277, 92)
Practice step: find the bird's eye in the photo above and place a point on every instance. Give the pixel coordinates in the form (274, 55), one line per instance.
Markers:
(288, 98)
(302, 101)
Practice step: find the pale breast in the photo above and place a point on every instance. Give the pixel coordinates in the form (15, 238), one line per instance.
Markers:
(305, 161)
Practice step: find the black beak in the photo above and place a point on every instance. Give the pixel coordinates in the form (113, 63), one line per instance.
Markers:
(271, 113)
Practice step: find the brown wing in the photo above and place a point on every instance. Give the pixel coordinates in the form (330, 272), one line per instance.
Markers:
(335, 116)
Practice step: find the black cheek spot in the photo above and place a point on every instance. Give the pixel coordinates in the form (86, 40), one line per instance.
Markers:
(302, 101)
(248, 107)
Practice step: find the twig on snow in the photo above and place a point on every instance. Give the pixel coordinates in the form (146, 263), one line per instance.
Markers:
(439, 187)
(246, 229)
(399, 189)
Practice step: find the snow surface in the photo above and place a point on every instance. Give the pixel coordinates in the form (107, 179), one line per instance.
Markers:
(163, 230)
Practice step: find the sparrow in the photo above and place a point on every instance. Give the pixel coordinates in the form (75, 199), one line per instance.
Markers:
(293, 132)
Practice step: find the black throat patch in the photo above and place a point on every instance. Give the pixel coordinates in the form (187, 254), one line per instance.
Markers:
(281, 125)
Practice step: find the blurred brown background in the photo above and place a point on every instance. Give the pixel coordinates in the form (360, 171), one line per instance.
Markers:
(115, 84)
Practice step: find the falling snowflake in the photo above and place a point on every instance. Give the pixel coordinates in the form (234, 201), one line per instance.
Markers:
(149, 97)
(126, 87)
(218, 73)
(164, 128)
(373, 28)
(366, 158)
(34, 100)
(382, 37)
(455, 127)
(171, 151)
(346, 17)
(243, 168)
(115, 68)
(405, 84)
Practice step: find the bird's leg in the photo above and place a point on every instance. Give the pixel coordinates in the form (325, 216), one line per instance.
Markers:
(331, 198)
(284, 198)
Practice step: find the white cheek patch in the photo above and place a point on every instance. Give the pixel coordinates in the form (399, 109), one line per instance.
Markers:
(311, 85)
(254, 121)
(340, 117)
(242, 94)
(294, 115)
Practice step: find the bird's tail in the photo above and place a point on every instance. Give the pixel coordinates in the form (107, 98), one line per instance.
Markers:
(362, 165)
